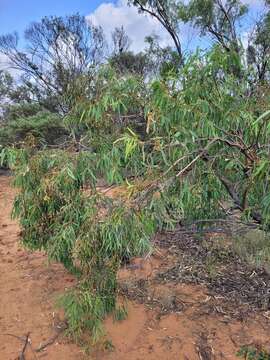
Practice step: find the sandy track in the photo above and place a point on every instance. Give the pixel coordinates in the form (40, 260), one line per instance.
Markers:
(28, 290)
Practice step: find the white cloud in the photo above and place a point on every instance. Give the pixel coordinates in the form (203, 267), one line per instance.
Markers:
(3, 62)
(137, 26)
(112, 14)
(5, 65)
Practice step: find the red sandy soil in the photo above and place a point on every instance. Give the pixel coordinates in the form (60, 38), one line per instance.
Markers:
(29, 288)
(191, 334)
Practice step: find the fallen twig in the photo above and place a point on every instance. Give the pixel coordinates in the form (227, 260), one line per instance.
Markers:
(21, 356)
(23, 339)
(52, 339)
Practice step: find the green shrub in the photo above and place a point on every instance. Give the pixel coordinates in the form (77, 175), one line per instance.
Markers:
(253, 247)
(197, 153)
(251, 353)
(44, 127)
(59, 217)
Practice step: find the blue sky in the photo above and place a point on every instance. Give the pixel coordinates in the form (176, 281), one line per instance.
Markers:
(17, 14)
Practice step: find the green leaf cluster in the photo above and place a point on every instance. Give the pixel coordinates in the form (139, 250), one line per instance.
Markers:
(177, 149)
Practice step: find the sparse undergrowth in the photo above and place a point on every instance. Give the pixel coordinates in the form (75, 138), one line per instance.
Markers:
(253, 247)
(252, 353)
(209, 263)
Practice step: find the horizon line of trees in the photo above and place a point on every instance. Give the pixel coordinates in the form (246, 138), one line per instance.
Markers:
(62, 55)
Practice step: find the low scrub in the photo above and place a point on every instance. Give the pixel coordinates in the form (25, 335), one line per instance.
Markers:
(42, 128)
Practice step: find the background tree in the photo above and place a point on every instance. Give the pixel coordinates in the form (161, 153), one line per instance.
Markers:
(11, 94)
(163, 59)
(258, 51)
(166, 12)
(129, 63)
(120, 39)
(60, 52)
(6, 85)
(217, 18)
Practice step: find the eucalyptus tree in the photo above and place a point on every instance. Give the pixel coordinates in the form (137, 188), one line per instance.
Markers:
(60, 57)
(258, 51)
(6, 84)
(217, 18)
(166, 13)
(125, 61)
(204, 153)
(129, 63)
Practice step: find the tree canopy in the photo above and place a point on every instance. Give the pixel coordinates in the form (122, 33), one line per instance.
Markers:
(60, 53)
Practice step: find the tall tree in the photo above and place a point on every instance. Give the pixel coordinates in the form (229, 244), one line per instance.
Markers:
(258, 51)
(162, 59)
(59, 52)
(217, 18)
(6, 85)
(120, 39)
(166, 12)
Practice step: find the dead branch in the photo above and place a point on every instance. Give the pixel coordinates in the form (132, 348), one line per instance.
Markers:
(52, 339)
(22, 339)
(200, 155)
(21, 356)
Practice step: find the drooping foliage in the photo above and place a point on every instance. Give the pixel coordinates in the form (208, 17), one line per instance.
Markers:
(183, 148)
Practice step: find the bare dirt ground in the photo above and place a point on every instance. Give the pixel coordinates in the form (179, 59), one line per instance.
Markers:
(181, 321)
(28, 288)
(167, 319)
